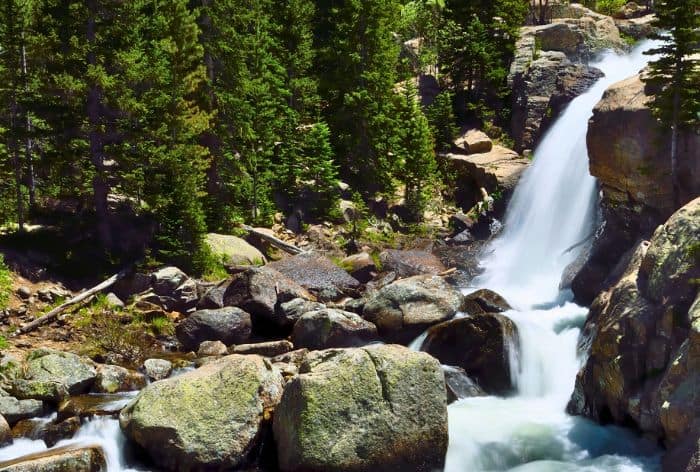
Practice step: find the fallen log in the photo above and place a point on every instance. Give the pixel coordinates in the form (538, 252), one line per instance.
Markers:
(276, 242)
(83, 296)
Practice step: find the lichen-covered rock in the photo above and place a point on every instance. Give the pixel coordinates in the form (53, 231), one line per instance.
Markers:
(229, 325)
(379, 408)
(318, 275)
(324, 329)
(113, 379)
(75, 373)
(234, 250)
(404, 309)
(157, 369)
(644, 335)
(49, 391)
(89, 459)
(14, 410)
(208, 419)
(481, 344)
(212, 349)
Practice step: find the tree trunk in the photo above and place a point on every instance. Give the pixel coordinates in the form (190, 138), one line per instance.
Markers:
(28, 145)
(675, 123)
(100, 187)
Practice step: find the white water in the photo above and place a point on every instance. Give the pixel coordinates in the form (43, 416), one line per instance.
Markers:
(551, 211)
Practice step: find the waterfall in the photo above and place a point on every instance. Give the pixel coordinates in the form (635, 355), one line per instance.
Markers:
(552, 210)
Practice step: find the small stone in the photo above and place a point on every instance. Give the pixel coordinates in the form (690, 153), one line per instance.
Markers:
(24, 292)
(212, 348)
(158, 369)
(114, 301)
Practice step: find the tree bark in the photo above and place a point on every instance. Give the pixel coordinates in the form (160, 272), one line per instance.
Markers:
(28, 145)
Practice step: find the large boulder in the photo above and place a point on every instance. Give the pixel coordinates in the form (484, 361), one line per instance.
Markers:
(208, 419)
(380, 408)
(318, 275)
(483, 345)
(229, 325)
(643, 368)
(260, 292)
(49, 391)
(323, 329)
(233, 250)
(73, 372)
(629, 155)
(14, 410)
(404, 309)
(410, 263)
(70, 458)
(496, 171)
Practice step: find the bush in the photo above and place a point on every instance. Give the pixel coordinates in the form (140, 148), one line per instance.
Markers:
(5, 284)
(610, 7)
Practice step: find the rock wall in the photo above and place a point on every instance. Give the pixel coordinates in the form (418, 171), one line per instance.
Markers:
(629, 154)
(643, 369)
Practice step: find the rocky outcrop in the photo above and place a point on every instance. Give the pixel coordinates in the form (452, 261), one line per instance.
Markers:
(380, 408)
(233, 250)
(229, 325)
(629, 155)
(481, 344)
(208, 419)
(644, 335)
(318, 275)
(404, 309)
(497, 171)
(89, 459)
(328, 328)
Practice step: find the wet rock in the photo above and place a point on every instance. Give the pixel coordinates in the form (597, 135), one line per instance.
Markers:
(157, 369)
(5, 432)
(229, 325)
(410, 263)
(266, 349)
(684, 457)
(260, 292)
(489, 301)
(481, 344)
(234, 250)
(374, 408)
(404, 309)
(85, 406)
(208, 419)
(638, 28)
(14, 410)
(49, 432)
(73, 372)
(212, 349)
(459, 385)
(329, 328)
(53, 392)
(113, 379)
(318, 275)
(90, 459)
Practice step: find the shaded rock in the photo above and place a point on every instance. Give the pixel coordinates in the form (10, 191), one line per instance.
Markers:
(234, 250)
(166, 280)
(410, 263)
(329, 328)
(292, 310)
(488, 301)
(379, 408)
(229, 325)
(14, 410)
(114, 301)
(73, 372)
(637, 28)
(48, 391)
(212, 348)
(213, 298)
(260, 291)
(459, 385)
(318, 275)
(684, 457)
(90, 459)
(473, 141)
(157, 369)
(113, 379)
(361, 266)
(498, 170)
(404, 309)
(5, 432)
(24, 292)
(208, 419)
(86, 406)
(266, 349)
(481, 344)
(51, 433)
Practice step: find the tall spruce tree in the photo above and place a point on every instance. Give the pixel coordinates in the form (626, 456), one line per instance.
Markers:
(675, 75)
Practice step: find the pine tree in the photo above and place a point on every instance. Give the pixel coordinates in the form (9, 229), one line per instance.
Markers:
(676, 73)
(357, 59)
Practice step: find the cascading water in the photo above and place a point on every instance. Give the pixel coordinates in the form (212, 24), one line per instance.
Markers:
(550, 213)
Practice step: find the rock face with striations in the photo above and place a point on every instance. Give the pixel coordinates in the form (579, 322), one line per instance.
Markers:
(644, 338)
(630, 156)
(380, 408)
(208, 419)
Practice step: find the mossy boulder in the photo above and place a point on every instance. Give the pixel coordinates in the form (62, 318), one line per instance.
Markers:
(113, 379)
(208, 419)
(379, 408)
(49, 391)
(73, 372)
(234, 250)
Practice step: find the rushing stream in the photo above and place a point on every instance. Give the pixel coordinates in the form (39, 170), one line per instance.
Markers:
(552, 210)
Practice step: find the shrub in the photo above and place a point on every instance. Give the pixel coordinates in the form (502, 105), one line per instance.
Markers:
(5, 284)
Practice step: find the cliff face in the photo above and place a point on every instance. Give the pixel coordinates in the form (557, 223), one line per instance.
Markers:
(629, 154)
